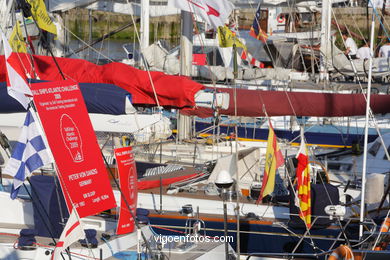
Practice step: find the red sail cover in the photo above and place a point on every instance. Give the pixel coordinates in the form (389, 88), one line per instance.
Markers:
(82, 173)
(254, 103)
(172, 91)
(128, 183)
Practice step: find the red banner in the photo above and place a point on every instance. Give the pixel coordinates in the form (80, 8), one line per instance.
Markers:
(82, 173)
(128, 183)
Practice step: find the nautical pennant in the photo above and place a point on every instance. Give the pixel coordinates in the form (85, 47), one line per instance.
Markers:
(248, 57)
(29, 154)
(16, 39)
(303, 178)
(274, 159)
(38, 10)
(227, 38)
(72, 232)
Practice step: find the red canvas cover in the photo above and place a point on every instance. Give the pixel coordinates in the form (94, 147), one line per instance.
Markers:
(172, 91)
(150, 184)
(254, 103)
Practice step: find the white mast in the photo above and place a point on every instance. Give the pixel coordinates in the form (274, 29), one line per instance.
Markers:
(325, 37)
(364, 170)
(144, 25)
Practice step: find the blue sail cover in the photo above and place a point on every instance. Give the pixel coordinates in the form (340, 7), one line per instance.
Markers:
(99, 98)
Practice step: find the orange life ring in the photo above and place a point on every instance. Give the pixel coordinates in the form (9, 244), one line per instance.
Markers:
(384, 228)
(281, 18)
(343, 252)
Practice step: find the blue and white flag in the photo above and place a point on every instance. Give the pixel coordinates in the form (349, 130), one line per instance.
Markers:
(29, 154)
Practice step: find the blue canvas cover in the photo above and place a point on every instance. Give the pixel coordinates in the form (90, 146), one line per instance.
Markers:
(44, 190)
(99, 98)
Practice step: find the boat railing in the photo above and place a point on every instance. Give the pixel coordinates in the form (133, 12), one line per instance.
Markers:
(315, 255)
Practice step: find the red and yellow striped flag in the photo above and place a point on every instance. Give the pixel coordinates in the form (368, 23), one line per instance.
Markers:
(274, 159)
(303, 178)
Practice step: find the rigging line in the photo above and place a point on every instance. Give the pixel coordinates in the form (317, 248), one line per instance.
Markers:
(198, 35)
(45, 40)
(299, 207)
(255, 18)
(331, 201)
(380, 22)
(379, 235)
(349, 58)
(146, 67)
(355, 23)
(29, 47)
(85, 43)
(27, 74)
(296, 34)
(371, 114)
(108, 42)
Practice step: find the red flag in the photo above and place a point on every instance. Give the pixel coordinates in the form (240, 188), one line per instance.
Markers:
(16, 76)
(128, 183)
(73, 143)
(213, 12)
(303, 178)
(274, 159)
(72, 232)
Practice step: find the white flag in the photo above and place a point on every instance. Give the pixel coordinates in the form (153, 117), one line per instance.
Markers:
(72, 232)
(214, 12)
(17, 85)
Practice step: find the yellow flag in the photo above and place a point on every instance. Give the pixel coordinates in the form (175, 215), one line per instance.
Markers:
(16, 39)
(227, 38)
(38, 10)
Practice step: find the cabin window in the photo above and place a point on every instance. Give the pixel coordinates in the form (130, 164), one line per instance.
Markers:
(374, 148)
(388, 150)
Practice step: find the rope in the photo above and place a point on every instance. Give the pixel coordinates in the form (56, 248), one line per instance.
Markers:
(146, 67)
(379, 235)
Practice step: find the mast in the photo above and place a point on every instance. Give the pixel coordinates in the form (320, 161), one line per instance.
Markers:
(144, 25)
(325, 37)
(364, 170)
(184, 122)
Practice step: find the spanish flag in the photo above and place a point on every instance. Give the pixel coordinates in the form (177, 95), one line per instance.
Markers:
(38, 10)
(227, 38)
(16, 39)
(274, 159)
(303, 178)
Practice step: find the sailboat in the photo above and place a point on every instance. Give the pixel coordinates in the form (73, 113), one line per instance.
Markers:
(261, 224)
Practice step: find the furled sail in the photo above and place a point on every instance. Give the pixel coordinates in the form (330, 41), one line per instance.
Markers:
(254, 103)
